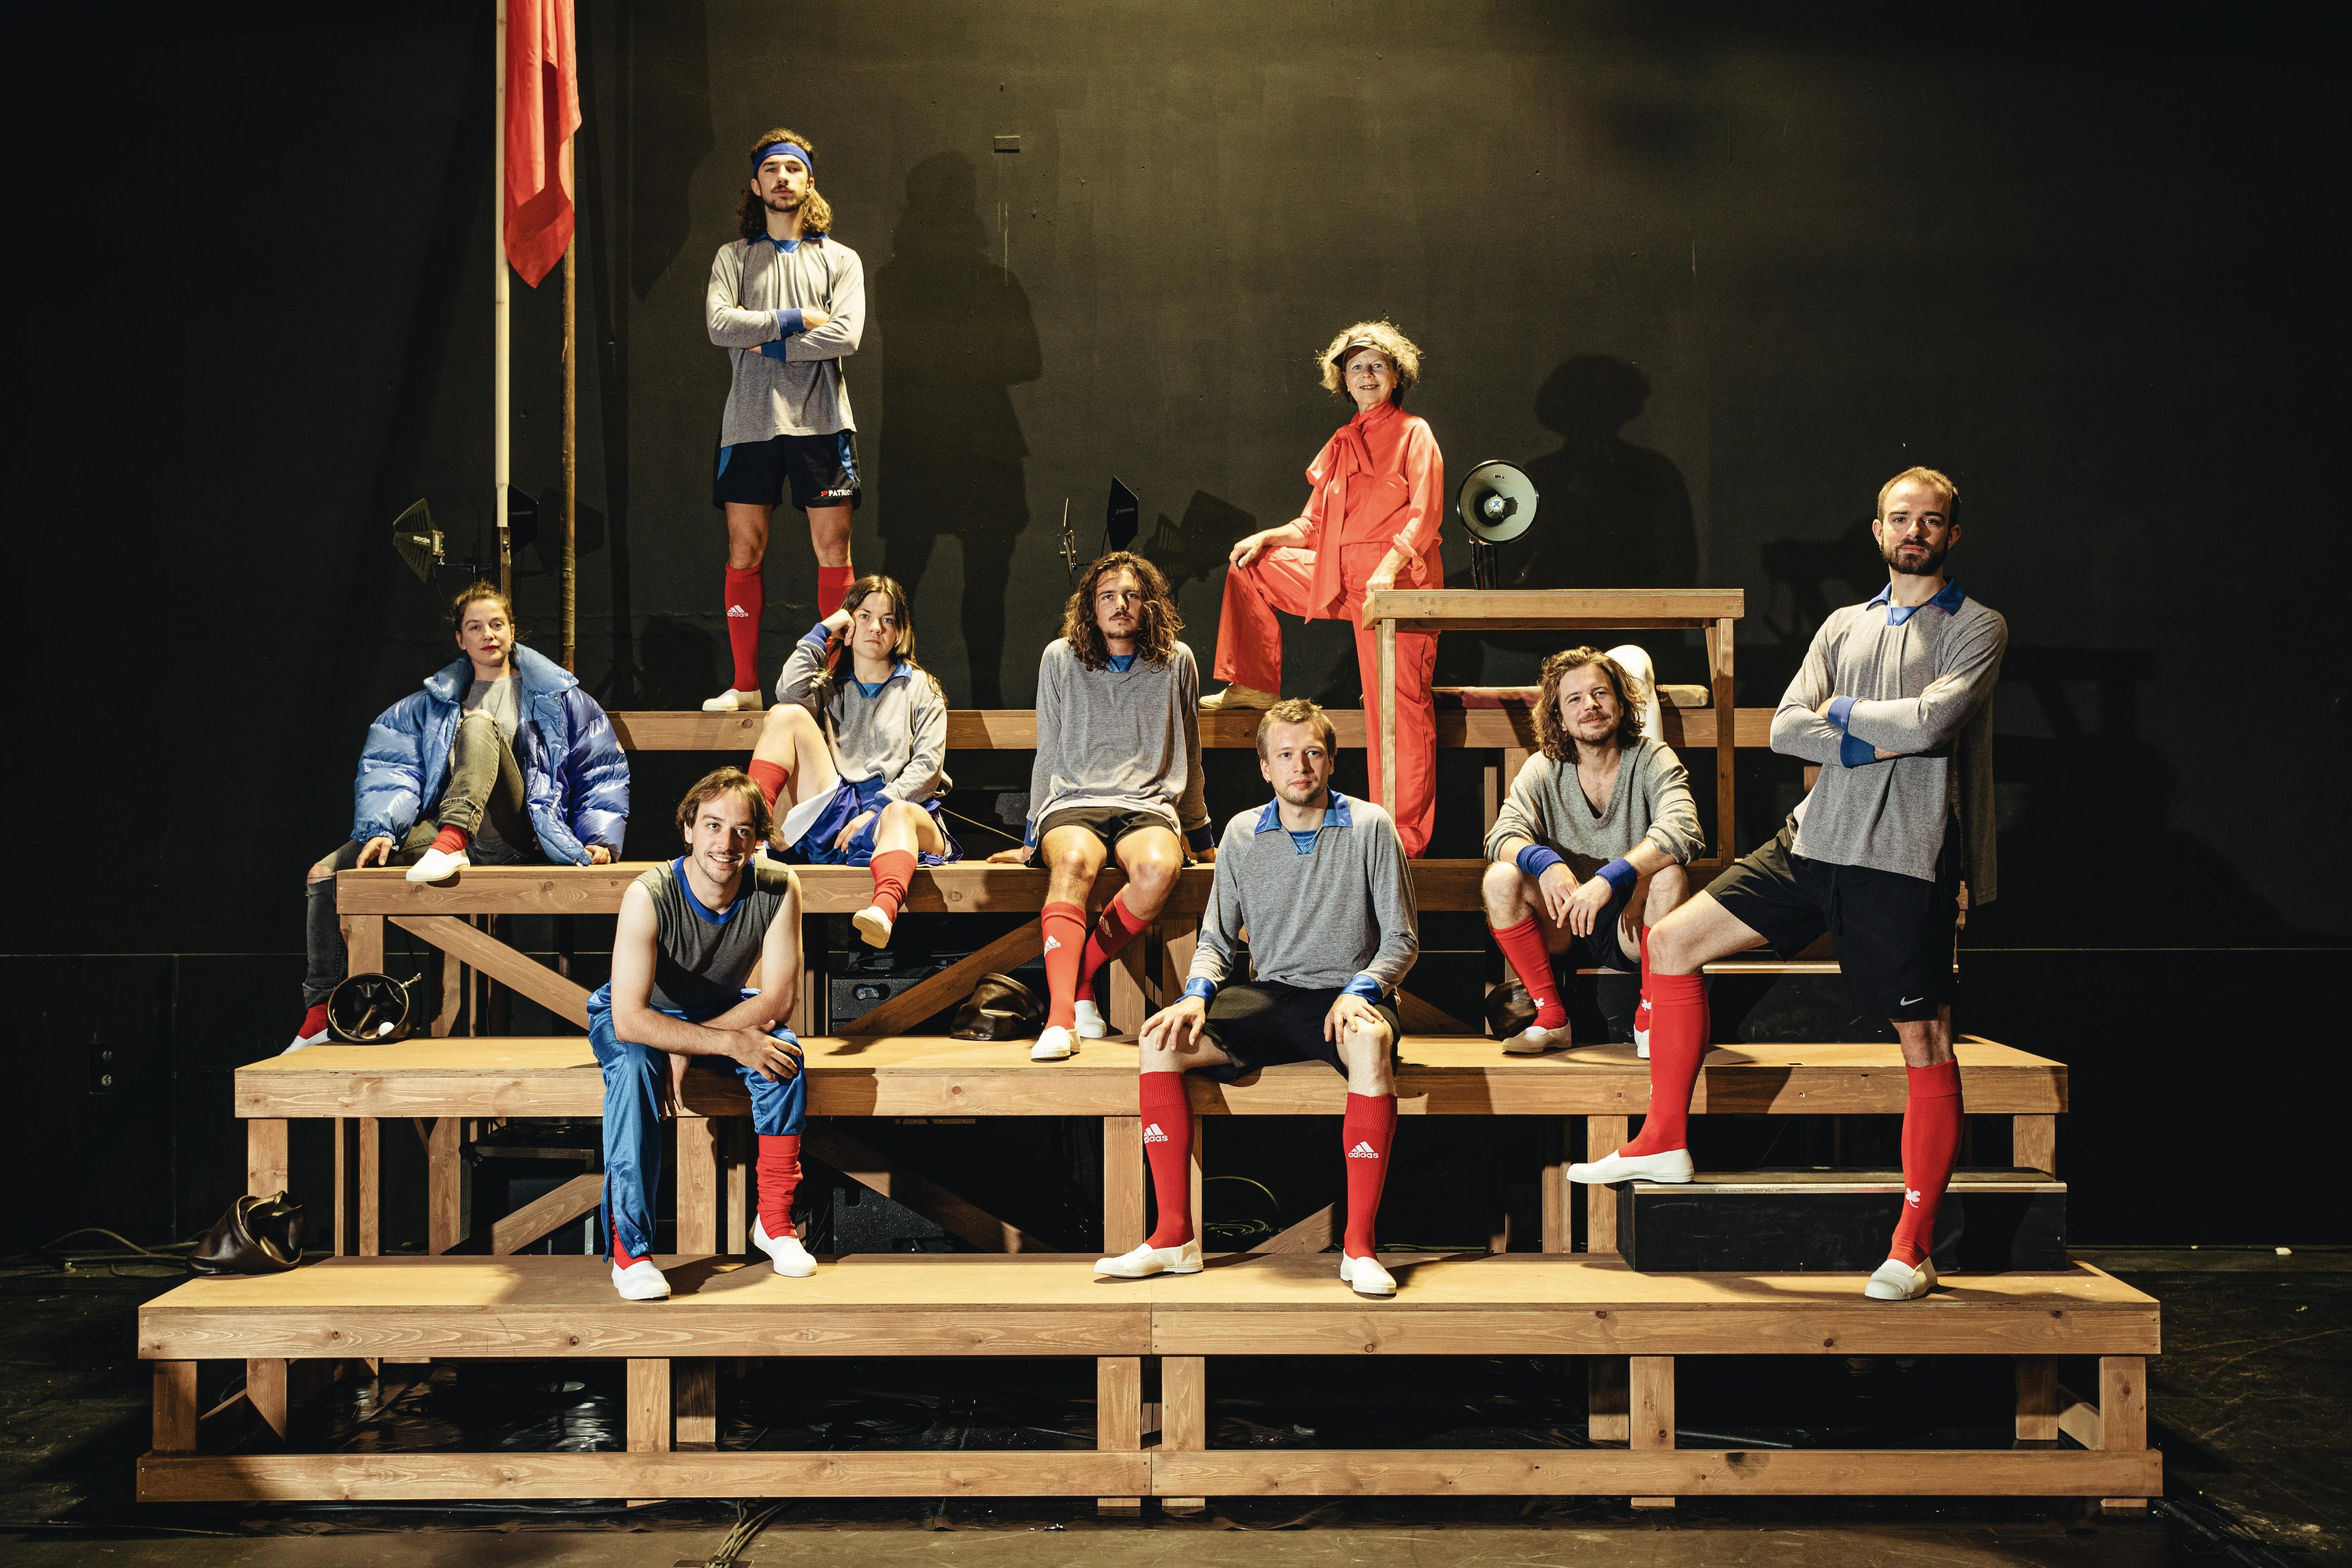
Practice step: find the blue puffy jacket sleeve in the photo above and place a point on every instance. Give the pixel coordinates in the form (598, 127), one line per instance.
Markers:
(595, 774)
(389, 792)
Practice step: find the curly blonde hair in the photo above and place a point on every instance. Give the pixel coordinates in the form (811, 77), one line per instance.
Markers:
(1551, 735)
(1382, 335)
(1155, 639)
(751, 212)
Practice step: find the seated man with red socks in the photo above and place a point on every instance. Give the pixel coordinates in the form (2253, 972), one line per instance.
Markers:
(1894, 704)
(1117, 775)
(1318, 882)
(694, 934)
(852, 762)
(1589, 851)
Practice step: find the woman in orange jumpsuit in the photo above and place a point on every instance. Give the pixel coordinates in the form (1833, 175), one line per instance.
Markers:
(1371, 523)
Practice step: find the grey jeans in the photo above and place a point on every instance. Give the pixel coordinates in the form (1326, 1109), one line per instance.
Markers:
(485, 780)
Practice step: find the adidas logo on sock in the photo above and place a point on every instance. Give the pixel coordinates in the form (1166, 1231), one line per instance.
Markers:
(1152, 1134)
(1911, 1196)
(737, 613)
(1363, 1151)
(1052, 944)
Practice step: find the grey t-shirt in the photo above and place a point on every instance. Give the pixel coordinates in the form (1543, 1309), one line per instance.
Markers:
(702, 957)
(502, 700)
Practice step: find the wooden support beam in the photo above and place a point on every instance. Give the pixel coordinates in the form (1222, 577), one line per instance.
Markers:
(1718, 659)
(266, 1388)
(1653, 1413)
(2037, 1399)
(1183, 1416)
(698, 1184)
(695, 1390)
(957, 1216)
(1123, 1184)
(1316, 1233)
(735, 1142)
(1607, 1412)
(2079, 1418)
(1129, 1002)
(578, 1196)
(175, 1407)
(265, 1156)
(1118, 1420)
(649, 1407)
(1420, 1017)
(359, 1187)
(447, 1186)
(494, 959)
(2123, 1415)
(363, 944)
(1603, 1134)
(2033, 1144)
(1557, 1196)
(950, 986)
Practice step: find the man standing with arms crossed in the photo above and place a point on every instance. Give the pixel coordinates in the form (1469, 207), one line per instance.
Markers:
(1894, 704)
(787, 301)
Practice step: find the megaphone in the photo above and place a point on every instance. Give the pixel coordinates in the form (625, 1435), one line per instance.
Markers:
(1498, 502)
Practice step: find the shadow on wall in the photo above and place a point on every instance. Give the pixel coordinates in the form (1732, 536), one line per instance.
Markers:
(956, 335)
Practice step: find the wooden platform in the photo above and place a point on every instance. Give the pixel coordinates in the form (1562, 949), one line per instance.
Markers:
(1631, 1326)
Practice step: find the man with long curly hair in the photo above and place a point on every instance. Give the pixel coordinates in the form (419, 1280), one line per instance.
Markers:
(1371, 523)
(1117, 775)
(787, 301)
(1589, 851)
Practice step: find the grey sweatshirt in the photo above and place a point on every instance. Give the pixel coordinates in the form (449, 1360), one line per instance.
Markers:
(804, 392)
(898, 735)
(1130, 739)
(1651, 800)
(1892, 815)
(1317, 919)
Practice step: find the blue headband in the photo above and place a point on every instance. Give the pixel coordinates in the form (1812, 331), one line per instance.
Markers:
(782, 150)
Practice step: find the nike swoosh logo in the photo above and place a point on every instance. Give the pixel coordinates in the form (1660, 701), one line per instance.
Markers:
(1908, 1001)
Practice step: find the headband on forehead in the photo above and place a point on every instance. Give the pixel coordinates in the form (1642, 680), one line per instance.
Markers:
(782, 150)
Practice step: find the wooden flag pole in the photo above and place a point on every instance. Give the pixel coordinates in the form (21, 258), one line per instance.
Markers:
(498, 348)
(571, 435)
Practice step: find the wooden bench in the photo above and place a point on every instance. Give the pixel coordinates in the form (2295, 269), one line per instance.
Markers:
(889, 1305)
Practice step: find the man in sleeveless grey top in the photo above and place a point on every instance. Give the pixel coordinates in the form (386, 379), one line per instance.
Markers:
(694, 937)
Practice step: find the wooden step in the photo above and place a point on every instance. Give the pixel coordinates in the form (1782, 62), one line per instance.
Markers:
(1834, 1220)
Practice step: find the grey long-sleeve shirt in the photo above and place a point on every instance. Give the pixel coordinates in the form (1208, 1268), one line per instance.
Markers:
(898, 735)
(1125, 738)
(1317, 919)
(806, 393)
(1892, 814)
(1650, 801)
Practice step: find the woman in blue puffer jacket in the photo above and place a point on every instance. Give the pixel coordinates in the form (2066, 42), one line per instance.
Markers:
(500, 759)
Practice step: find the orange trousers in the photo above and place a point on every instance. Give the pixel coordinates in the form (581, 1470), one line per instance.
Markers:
(1249, 650)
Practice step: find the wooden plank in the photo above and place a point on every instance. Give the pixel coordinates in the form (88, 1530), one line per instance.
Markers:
(2037, 1399)
(1719, 667)
(578, 1196)
(1118, 1420)
(363, 938)
(2079, 1418)
(737, 1144)
(1555, 1191)
(265, 1156)
(1129, 1004)
(1603, 1134)
(1683, 1472)
(1608, 1395)
(344, 1213)
(957, 1216)
(2033, 1144)
(488, 956)
(660, 729)
(698, 1184)
(368, 1133)
(695, 1391)
(1534, 609)
(1123, 1183)
(1651, 1402)
(447, 1184)
(390, 1477)
(175, 1407)
(649, 1406)
(1420, 1017)
(2123, 1402)
(950, 986)
(1183, 1424)
(1316, 1233)
(266, 1390)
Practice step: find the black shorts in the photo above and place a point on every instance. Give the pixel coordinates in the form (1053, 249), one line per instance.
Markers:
(1605, 949)
(1263, 1023)
(1108, 823)
(820, 470)
(1893, 933)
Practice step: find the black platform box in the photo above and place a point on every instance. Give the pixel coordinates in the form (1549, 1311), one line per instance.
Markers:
(1784, 1222)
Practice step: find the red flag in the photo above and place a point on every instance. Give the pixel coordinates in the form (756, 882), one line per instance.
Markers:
(543, 111)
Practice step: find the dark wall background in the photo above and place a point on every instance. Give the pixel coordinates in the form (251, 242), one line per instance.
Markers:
(1713, 275)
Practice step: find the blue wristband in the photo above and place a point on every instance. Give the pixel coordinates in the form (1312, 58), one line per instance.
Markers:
(773, 351)
(1856, 753)
(819, 634)
(1620, 875)
(1206, 990)
(789, 322)
(1842, 714)
(1364, 985)
(1535, 860)
(1201, 837)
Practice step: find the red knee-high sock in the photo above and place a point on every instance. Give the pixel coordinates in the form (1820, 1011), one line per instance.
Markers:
(1168, 1146)
(779, 1179)
(833, 586)
(1116, 928)
(1523, 944)
(1931, 1141)
(452, 840)
(769, 776)
(1065, 938)
(1678, 1030)
(747, 600)
(314, 1020)
(1366, 1134)
(893, 869)
(622, 1256)
(1641, 1012)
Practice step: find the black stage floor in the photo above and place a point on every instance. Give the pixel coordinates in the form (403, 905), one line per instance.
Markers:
(2252, 1403)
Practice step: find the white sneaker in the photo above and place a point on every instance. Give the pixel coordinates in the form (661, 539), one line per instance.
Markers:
(302, 1041)
(1055, 1045)
(438, 865)
(735, 701)
(792, 1259)
(640, 1281)
(1642, 1031)
(1535, 1040)
(1091, 1023)
(1147, 1260)
(1673, 1165)
(1898, 1281)
(1237, 697)
(1365, 1275)
(873, 925)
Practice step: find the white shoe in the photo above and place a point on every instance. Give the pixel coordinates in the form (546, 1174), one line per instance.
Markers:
(438, 865)
(1642, 1032)
(1898, 1281)
(792, 1259)
(735, 701)
(1673, 1165)
(1147, 1260)
(1365, 1275)
(1055, 1045)
(1535, 1039)
(1237, 697)
(301, 1041)
(873, 925)
(1091, 1023)
(640, 1281)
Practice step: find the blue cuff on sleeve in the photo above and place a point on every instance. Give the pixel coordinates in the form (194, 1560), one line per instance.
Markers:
(772, 351)
(1029, 834)
(1364, 985)
(1855, 752)
(819, 636)
(1201, 837)
(1206, 990)
(1536, 859)
(789, 321)
(1620, 875)
(1841, 712)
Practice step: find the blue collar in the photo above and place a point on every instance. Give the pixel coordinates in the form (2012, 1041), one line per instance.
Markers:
(713, 917)
(1949, 601)
(873, 688)
(786, 246)
(1335, 815)
(1120, 663)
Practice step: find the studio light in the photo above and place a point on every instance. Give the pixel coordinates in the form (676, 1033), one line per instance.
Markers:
(1497, 503)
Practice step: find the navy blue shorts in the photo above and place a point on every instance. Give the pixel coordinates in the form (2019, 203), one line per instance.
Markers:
(850, 802)
(818, 470)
